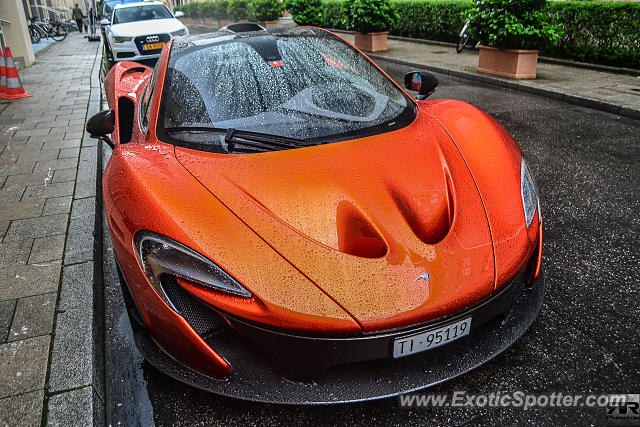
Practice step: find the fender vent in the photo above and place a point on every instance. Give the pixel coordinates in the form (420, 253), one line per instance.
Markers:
(126, 107)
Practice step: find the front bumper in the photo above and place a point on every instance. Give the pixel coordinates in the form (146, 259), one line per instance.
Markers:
(366, 370)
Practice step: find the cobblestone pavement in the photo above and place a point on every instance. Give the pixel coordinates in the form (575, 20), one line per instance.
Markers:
(47, 200)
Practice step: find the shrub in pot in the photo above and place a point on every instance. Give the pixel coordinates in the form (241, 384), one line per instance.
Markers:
(220, 12)
(307, 12)
(266, 12)
(237, 10)
(509, 31)
(371, 20)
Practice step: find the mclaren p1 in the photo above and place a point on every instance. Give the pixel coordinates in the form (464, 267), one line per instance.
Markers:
(290, 225)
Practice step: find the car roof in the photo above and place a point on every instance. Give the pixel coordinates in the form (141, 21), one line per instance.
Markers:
(139, 3)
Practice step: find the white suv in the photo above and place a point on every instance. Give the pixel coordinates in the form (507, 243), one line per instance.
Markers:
(139, 31)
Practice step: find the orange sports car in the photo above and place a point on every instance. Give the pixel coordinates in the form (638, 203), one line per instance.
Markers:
(291, 226)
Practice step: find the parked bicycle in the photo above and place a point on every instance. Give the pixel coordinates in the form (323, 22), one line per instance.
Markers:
(464, 37)
(52, 29)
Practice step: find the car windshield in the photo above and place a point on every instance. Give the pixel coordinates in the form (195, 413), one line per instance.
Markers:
(140, 13)
(310, 87)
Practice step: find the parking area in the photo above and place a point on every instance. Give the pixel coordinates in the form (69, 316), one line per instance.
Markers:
(585, 341)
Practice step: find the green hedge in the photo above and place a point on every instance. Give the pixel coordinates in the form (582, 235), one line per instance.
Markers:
(594, 31)
(602, 32)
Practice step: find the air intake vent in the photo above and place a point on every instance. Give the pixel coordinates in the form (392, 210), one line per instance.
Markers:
(356, 235)
(244, 27)
(204, 320)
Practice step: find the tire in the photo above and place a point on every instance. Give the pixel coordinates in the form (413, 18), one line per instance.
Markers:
(58, 32)
(35, 35)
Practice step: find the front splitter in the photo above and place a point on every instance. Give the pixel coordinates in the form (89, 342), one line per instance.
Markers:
(252, 379)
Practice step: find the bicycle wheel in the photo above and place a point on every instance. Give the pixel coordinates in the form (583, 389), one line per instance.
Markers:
(35, 35)
(58, 32)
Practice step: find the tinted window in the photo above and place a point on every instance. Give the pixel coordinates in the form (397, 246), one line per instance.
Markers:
(313, 88)
(140, 13)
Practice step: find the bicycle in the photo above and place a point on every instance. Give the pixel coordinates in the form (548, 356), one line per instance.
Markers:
(464, 37)
(52, 29)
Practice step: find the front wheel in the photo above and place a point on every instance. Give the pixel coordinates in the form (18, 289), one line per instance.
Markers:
(58, 32)
(35, 35)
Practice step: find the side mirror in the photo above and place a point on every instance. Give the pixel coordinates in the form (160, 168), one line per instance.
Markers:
(179, 14)
(422, 82)
(104, 22)
(102, 124)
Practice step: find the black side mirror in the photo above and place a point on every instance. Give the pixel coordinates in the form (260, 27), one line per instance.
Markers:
(422, 82)
(102, 124)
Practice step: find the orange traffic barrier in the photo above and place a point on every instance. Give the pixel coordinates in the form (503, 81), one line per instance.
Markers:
(3, 74)
(14, 88)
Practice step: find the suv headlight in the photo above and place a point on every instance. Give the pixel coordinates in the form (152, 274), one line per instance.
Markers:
(528, 192)
(122, 39)
(182, 32)
(160, 255)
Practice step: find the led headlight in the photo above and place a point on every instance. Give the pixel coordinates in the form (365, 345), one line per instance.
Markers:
(160, 255)
(528, 192)
(182, 32)
(121, 39)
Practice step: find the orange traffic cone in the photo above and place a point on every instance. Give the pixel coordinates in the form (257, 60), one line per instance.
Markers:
(3, 74)
(14, 85)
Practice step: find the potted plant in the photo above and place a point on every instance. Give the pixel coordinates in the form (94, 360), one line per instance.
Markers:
(237, 10)
(266, 12)
(371, 21)
(221, 12)
(307, 12)
(509, 31)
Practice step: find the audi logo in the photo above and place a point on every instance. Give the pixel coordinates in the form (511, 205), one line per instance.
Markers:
(152, 39)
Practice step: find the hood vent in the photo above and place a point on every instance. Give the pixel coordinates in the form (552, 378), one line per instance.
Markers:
(356, 234)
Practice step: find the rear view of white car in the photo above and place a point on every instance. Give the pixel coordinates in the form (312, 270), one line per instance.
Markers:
(139, 31)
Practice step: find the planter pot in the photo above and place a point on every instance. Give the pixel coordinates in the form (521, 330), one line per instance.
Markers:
(372, 42)
(186, 20)
(511, 63)
(208, 22)
(268, 23)
(223, 22)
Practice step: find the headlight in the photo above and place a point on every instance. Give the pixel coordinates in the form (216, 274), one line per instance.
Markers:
(528, 192)
(160, 255)
(182, 32)
(121, 39)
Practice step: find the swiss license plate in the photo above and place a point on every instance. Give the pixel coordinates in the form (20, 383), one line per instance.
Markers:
(153, 46)
(431, 339)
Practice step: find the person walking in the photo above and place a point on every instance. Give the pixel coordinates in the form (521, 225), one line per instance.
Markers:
(78, 16)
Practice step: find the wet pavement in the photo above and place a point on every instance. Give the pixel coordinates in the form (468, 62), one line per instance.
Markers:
(585, 340)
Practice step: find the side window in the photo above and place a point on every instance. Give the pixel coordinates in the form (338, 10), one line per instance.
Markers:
(147, 96)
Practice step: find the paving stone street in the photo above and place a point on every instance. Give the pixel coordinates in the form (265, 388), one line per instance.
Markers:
(47, 209)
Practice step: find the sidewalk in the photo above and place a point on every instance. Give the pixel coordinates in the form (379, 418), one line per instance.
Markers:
(47, 212)
(614, 93)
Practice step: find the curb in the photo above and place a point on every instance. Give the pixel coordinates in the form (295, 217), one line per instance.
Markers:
(583, 101)
(76, 366)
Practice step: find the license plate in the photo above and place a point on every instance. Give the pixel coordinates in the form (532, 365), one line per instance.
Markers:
(431, 339)
(153, 46)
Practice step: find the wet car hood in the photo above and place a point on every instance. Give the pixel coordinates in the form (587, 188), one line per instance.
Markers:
(391, 227)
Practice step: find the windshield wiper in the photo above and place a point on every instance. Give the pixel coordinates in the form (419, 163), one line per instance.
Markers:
(235, 137)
